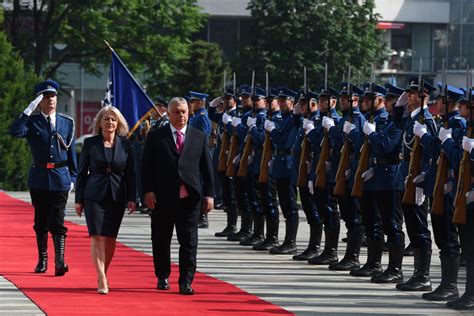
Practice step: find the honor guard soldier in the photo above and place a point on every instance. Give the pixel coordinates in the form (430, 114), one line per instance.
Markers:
(200, 120)
(246, 226)
(384, 178)
(223, 120)
(268, 189)
(305, 113)
(51, 138)
(444, 230)
(416, 214)
(348, 205)
(465, 227)
(283, 136)
(325, 202)
(253, 128)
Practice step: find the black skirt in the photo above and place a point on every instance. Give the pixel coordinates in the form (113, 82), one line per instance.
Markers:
(104, 218)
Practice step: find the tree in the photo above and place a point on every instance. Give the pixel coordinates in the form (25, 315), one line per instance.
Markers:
(296, 33)
(152, 37)
(15, 89)
(204, 69)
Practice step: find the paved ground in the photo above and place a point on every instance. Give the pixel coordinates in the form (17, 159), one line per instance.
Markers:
(298, 287)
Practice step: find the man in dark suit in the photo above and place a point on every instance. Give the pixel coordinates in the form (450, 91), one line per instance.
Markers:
(177, 182)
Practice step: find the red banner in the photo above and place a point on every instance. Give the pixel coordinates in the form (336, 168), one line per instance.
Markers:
(85, 118)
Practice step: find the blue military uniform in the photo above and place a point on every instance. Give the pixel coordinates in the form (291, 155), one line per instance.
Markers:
(52, 174)
(283, 137)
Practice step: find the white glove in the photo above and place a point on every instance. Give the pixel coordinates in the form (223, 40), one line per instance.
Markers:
(214, 103)
(226, 118)
(236, 121)
(467, 144)
(419, 196)
(32, 106)
(72, 187)
(311, 187)
(419, 178)
(419, 129)
(308, 126)
(348, 174)
(448, 187)
(402, 100)
(368, 174)
(236, 159)
(469, 197)
(369, 128)
(251, 121)
(328, 123)
(445, 134)
(269, 125)
(348, 127)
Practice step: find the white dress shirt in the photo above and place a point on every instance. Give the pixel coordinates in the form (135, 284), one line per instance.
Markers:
(183, 132)
(53, 119)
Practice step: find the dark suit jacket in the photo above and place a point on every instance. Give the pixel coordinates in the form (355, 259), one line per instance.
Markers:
(163, 169)
(95, 178)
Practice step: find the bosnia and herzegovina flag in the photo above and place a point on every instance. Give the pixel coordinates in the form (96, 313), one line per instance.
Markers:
(124, 92)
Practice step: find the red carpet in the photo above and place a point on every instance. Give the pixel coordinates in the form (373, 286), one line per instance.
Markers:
(131, 277)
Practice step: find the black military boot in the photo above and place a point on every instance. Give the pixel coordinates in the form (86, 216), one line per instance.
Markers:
(329, 254)
(393, 273)
(59, 247)
(245, 228)
(271, 240)
(42, 244)
(448, 288)
(420, 281)
(314, 244)
(231, 227)
(466, 301)
(289, 244)
(203, 222)
(351, 258)
(258, 231)
(373, 266)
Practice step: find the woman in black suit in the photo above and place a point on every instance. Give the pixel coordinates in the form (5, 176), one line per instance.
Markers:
(105, 186)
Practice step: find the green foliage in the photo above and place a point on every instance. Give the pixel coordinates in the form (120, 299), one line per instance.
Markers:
(15, 89)
(203, 71)
(296, 33)
(151, 37)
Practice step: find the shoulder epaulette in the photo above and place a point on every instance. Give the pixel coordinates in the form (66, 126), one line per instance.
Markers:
(66, 116)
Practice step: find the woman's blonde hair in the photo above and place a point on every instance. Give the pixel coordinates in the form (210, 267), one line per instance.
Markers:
(122, 126)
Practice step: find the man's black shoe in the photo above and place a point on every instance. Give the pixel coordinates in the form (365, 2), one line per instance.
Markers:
(186, 289)
(163, 284)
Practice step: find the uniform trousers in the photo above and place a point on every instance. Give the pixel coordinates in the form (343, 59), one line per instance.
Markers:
(50, 209)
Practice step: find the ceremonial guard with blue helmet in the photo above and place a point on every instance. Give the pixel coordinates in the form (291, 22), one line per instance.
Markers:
(51, 137)
(200, 120)
(348, 205)
(305, 113)
(223, 119)
(243, 205)
(444, 230)
(416, 214)
(324, 199)
(283, 137)
(268, 189)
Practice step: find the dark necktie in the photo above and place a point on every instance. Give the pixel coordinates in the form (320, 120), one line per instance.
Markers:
(48, 119)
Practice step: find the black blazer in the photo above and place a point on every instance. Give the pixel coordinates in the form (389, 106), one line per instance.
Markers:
(95, 178)
(163, 169)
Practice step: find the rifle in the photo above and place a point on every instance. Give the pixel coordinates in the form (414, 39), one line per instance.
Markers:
(414, 167)
(363, 165)
(345, 160)
(234, 144)
(267, 143)
(324, 153)
(464, 178)
(222, 166)
(443, 164)
(248, 139)
(305, 145)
